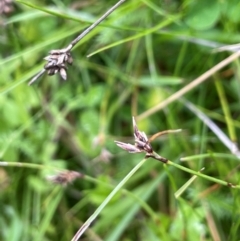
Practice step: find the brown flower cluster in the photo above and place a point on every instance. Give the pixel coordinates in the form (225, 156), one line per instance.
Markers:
(57, 62)
(142, 144)
(64, 177)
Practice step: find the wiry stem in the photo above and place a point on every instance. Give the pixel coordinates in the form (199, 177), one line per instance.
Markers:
(157, 157)
(189, 87)
(85, 226)
(37, 76)
(90, 28)
(163, 133)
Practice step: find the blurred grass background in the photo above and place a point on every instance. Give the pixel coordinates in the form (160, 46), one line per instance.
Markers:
(141, 54)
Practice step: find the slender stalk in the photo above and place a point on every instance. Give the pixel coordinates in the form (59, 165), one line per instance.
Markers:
(232, 146)
(90, 28)
(37, 76)
(27, 165)
(226, 110)
(197, 173)
(189, 87)
(143, 204)
(85, 226)
(152, 138)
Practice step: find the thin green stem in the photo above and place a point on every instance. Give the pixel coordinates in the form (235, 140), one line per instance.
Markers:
(143, 204)
(212, 179)
(226, 110)
(136, 36)
(84, 33)
(85, 226)
(167, 162)
(27, 165)
(211, 154)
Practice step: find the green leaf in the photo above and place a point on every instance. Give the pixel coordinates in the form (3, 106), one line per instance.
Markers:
(56, 12)
(37, 184)
(90, 122)
(90, 99)
(148, 81)
(203, 15)
(232, 10)
(193, 217)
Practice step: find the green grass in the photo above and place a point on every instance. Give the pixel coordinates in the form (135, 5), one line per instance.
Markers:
(144, 60)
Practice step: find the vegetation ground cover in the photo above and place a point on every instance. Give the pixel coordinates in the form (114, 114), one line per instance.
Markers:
(145, 61)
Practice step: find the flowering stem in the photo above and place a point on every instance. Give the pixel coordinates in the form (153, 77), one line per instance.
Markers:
(197, 173)
(60, 58)
(27, 165)
(84, 33)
